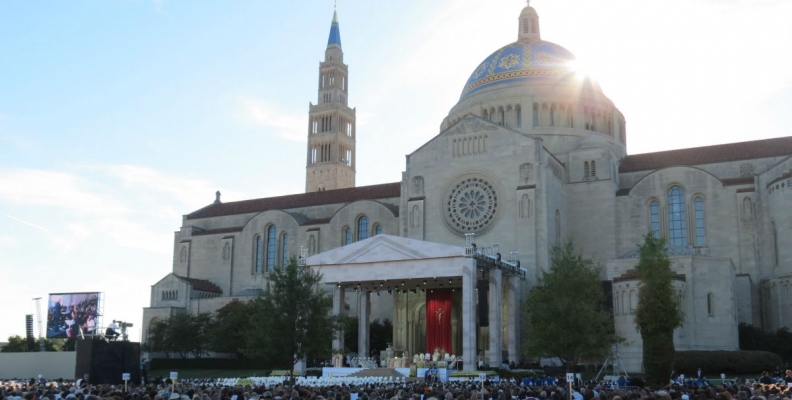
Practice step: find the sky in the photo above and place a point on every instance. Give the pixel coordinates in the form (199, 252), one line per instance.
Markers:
(117, 117)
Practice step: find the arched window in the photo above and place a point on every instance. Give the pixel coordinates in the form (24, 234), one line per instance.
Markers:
(518, 113)
(623, 300)
(633, 301)
(347, 236)
(558, 227)
(701, 239)
(258, 252)
(535, 115)
(711, 304)
(552, 115)
(654, 218)
(775, 243)
(586, 170)
(593, 168)
(677, 222)
(362, 228)
(272, 248)
(284, 250)
(616, 304)
(378, 230)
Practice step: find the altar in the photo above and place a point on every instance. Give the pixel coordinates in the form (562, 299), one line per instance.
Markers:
(435, 291)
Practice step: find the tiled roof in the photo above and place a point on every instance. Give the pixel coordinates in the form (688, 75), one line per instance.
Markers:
(202, 285)
(218, 231)
(710, 154)
(383, 191)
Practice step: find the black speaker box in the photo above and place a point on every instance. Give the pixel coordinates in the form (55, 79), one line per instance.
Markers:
(483, 302)
(106, 362)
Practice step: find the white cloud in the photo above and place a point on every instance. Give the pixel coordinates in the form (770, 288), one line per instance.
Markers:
(7, 241)
(134, 207)
(272, 119)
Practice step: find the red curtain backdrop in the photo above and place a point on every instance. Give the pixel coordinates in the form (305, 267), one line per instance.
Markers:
(438, 320)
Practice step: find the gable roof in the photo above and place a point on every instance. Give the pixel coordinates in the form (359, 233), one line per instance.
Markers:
(385, 248)
(348, 195)
(765, 148)
(201, 284)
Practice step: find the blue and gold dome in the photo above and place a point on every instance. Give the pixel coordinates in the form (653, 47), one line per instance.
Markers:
(524, 60)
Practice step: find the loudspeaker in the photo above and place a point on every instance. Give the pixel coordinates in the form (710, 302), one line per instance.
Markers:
(483, 302)
(105, 362)
(31, 341)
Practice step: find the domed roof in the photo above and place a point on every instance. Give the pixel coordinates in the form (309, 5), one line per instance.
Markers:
(524, 60)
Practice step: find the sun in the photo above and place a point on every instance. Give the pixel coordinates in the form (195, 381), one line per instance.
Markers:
(582, 70)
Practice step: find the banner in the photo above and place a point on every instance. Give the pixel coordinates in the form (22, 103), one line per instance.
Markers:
(438, 320)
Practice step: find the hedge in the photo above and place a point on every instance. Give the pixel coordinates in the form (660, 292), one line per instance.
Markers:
(714, 363)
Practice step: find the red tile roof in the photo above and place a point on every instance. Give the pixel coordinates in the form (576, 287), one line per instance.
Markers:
(202, 285)
(709, 154)
(383, 191)
(217, 231)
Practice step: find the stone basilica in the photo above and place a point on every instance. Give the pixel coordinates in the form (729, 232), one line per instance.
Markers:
(529, 157)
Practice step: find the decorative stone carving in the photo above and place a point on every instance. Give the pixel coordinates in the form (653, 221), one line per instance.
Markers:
(415, 217)
(526, 173)
(312, 244)
(417, 187)
(747, 209)
(471, 124)
(746, 169)
(226, 251)
(525, 207)
(470, 204)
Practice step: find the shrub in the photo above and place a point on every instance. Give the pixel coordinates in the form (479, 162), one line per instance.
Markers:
(713, 363)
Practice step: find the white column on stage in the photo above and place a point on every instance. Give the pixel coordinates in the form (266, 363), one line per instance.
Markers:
(495, 340)
(469, 277)
(364, 311)
(512, 324)
(339, 303)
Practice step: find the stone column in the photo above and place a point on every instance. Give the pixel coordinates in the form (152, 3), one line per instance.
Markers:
(364, 310)
(339, 300)
(495, 339)
(512, 324)
(469, 316)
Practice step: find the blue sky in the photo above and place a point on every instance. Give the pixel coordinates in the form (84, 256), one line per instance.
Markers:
(119, 116)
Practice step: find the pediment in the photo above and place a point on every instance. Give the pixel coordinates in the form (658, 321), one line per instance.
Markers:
(385, 248)
(470, 126)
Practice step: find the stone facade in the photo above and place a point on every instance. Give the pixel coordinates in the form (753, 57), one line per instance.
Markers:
(528, 158)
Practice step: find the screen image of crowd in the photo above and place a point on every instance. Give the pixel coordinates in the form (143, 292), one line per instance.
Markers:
(70, 314)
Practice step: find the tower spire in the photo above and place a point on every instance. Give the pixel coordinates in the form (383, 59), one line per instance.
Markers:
(335, 31)
(331, 154)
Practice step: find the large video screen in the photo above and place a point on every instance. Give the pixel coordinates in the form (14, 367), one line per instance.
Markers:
(69, 314)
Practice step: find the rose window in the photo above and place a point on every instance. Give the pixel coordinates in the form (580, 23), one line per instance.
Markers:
(470, 205)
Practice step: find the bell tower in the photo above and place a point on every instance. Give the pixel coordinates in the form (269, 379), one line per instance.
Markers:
(330, 160)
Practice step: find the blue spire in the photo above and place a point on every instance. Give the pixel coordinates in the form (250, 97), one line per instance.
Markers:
(335, 32)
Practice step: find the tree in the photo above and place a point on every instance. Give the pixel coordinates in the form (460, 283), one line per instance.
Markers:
(157, 339)
(16, 344)
(657, 314)
(188, 334)
(292, 320)
(565, 314)
(231, 325)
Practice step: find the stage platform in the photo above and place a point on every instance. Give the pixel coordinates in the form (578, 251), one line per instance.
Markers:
(386, 373)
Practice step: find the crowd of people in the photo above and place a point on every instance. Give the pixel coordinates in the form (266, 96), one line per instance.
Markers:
(770, 386)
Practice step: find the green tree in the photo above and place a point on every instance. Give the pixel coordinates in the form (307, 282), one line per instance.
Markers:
(291, 321)
(565, 314)
(188, 334)
(230, 328)
(16, 344)
(657, 314)
(157, 337)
